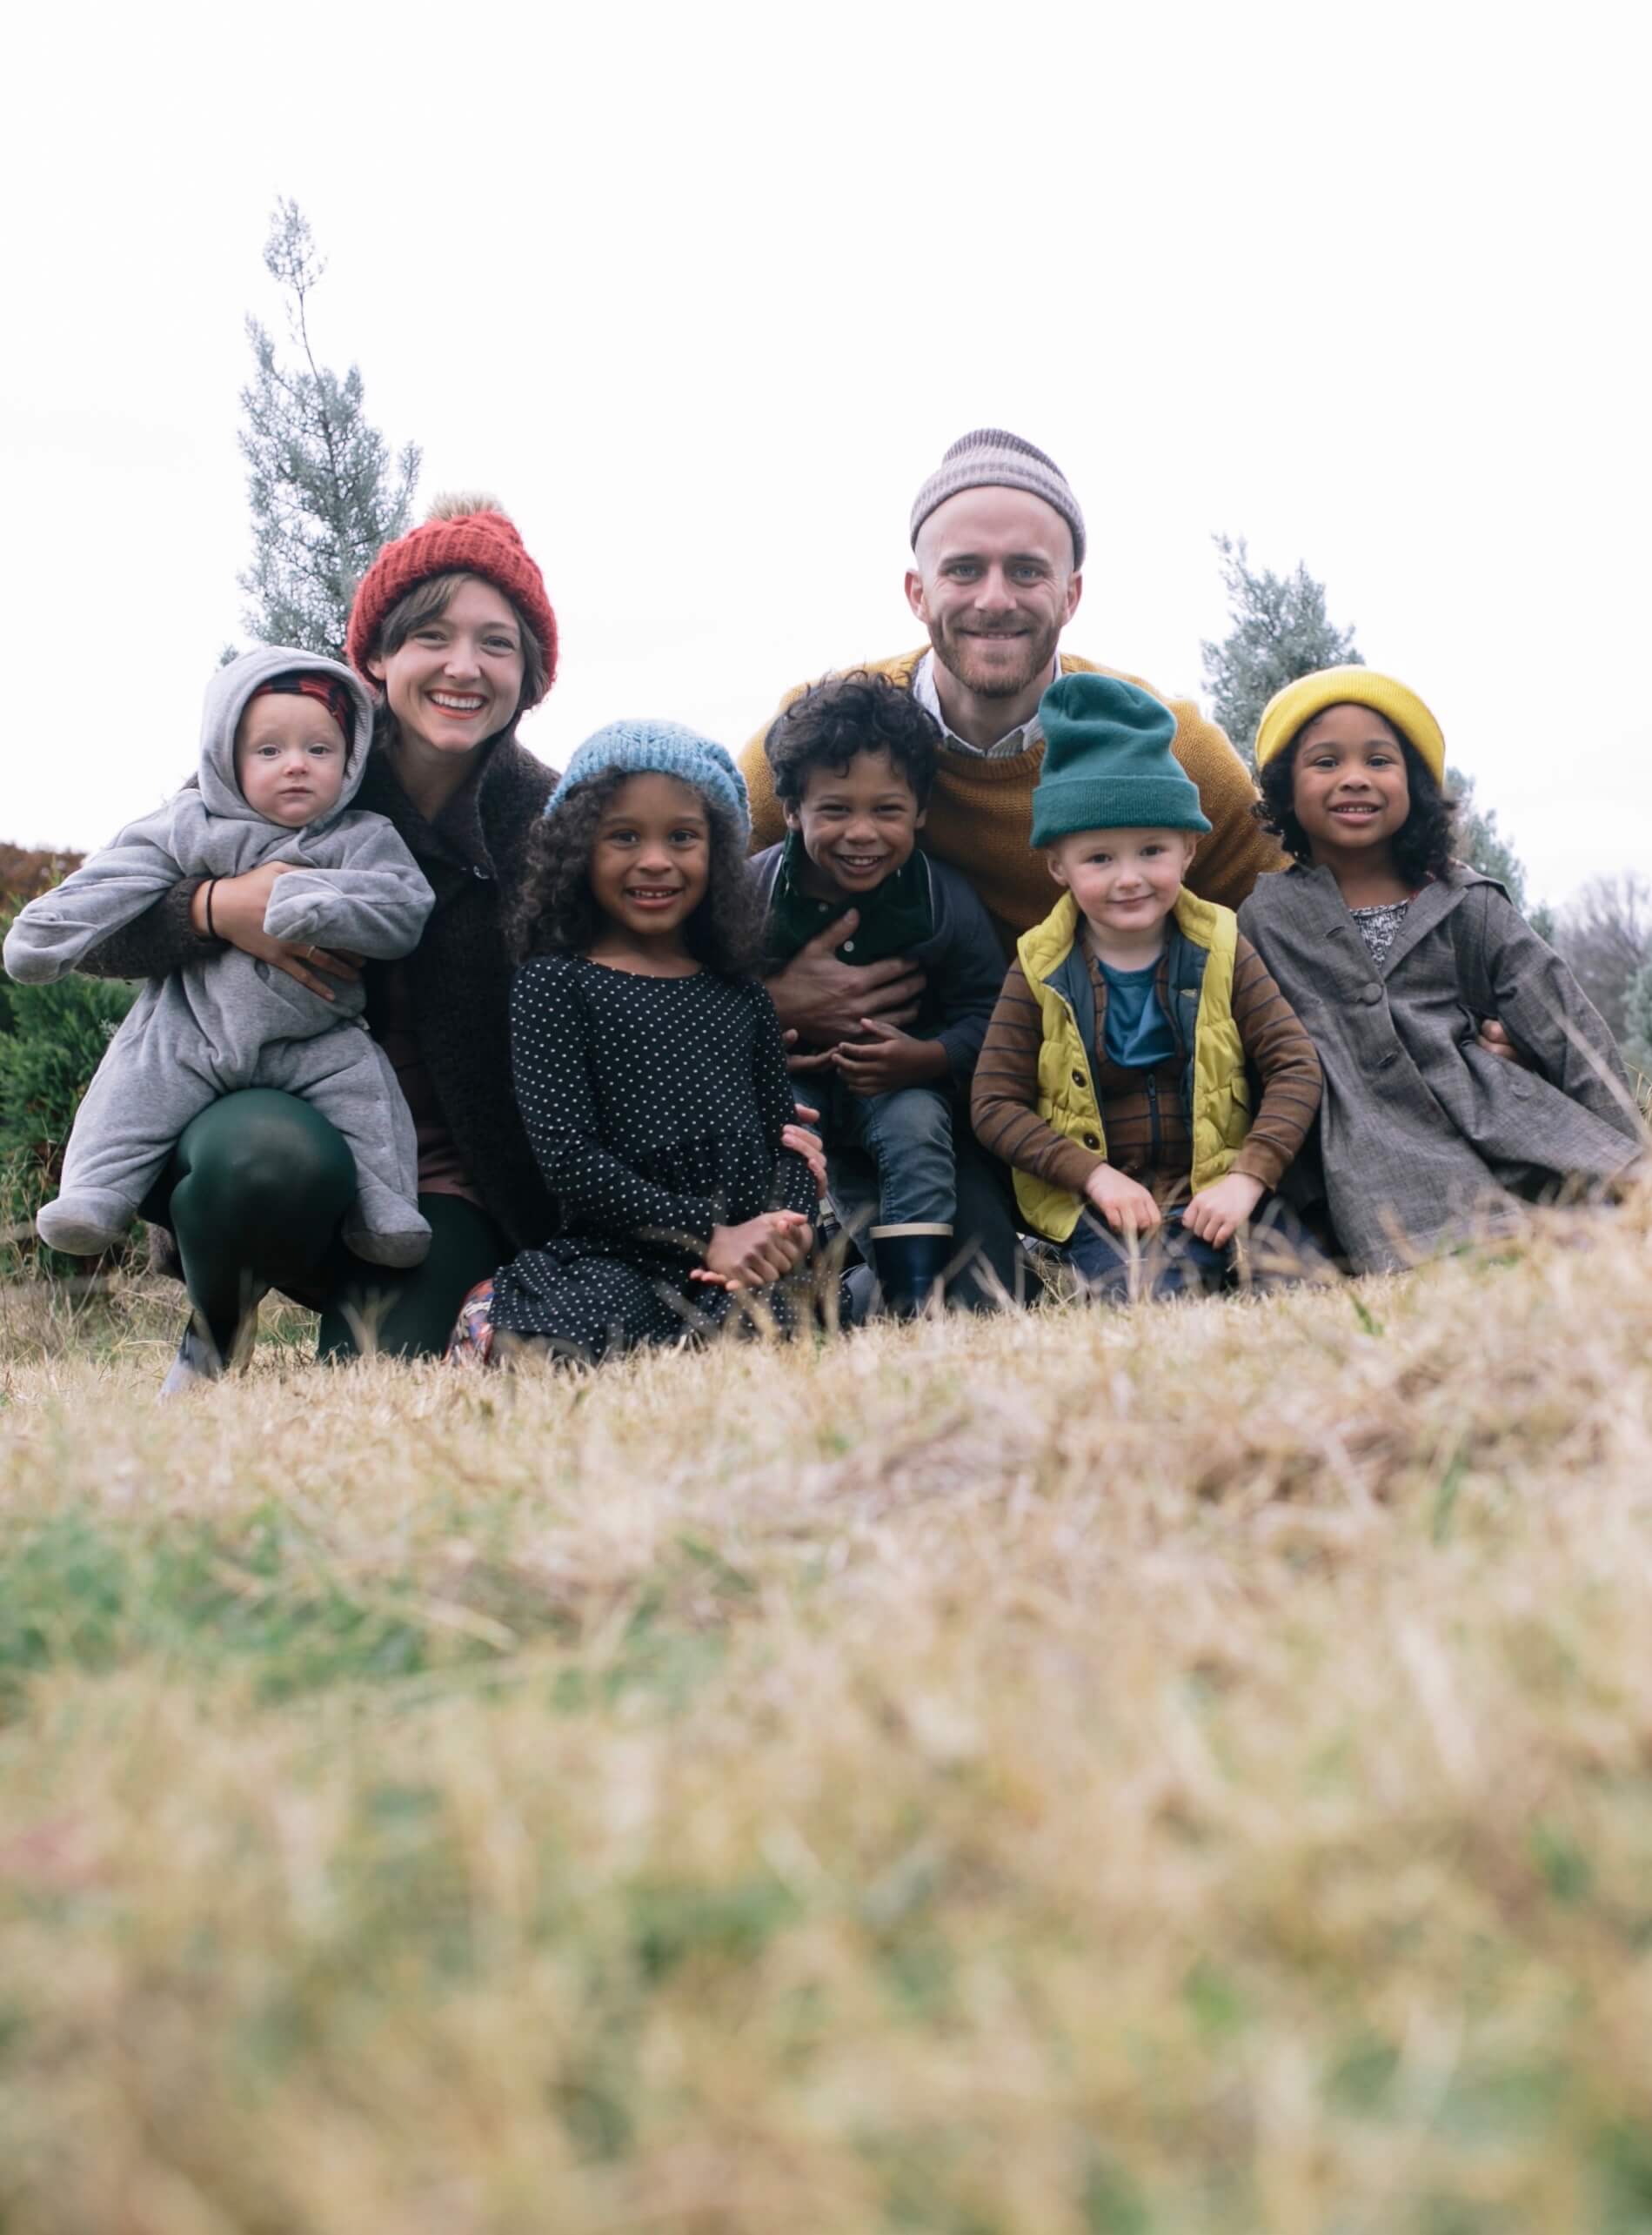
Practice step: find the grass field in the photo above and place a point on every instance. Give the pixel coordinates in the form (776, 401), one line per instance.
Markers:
(1182, 1771)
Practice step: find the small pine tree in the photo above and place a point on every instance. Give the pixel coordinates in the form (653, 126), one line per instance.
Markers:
(1480, 843)
(1637, 1027)
(1280, 631)
(324, 489)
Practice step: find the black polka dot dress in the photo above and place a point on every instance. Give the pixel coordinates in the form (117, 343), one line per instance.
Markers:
(654, 1106)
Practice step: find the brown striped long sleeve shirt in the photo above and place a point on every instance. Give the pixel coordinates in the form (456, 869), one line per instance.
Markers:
(1142, 1110)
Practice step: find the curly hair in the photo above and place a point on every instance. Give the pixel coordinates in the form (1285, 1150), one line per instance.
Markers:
(842, 715)
(553, 910)
(1422, 846)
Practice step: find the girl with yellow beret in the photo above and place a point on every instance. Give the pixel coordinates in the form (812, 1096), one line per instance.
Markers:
(1391, 955)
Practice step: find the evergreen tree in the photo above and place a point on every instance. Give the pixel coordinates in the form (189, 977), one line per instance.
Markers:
(1480, 843)
(1637, 1027)
(323, 488)
(1280, 629)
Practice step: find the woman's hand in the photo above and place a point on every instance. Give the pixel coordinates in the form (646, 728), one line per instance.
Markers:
(238, 903)
(1125, 1203)
(1216, 1213)
(756, 1253)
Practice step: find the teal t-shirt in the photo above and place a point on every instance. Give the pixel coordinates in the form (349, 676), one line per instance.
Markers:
(1137, 1032)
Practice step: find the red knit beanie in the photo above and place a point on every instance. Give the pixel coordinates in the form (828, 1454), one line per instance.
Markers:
(482, 542)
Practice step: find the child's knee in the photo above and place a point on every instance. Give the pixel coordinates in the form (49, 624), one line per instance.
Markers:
(916, 1117)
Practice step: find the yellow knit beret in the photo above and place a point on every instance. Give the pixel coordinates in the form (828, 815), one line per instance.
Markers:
(1288, 712)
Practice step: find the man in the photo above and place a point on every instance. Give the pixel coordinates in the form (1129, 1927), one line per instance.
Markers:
(998, 540)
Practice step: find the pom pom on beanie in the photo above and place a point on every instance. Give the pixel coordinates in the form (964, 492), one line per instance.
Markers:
(485, 542)
(651, 748)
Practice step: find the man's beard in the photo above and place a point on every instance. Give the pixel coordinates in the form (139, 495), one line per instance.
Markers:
(954, 655)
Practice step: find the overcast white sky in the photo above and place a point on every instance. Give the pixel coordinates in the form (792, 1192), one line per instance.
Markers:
(704, 292)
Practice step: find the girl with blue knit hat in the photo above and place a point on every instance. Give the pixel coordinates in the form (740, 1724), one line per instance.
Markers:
(650, 1067)
(1115, 1075)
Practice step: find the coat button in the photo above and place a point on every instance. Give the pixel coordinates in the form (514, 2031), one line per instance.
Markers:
(1078, 1078)
(1092, 1141)
(1370, 995)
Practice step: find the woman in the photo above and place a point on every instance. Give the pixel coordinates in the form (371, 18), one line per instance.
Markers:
(453, 628)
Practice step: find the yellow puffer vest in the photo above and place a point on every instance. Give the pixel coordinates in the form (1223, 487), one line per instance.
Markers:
(1216, 1089)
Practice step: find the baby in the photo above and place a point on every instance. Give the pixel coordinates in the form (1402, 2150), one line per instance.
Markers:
(283, 746)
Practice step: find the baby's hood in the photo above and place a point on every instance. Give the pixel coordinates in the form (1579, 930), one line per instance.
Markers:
(226, 698)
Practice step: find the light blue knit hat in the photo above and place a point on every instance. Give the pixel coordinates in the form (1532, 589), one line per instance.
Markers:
(645, 748)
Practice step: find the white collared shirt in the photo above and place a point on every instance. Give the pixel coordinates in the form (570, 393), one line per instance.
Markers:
(1013, 741)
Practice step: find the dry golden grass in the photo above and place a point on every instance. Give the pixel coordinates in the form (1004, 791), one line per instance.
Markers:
(1188, 1771)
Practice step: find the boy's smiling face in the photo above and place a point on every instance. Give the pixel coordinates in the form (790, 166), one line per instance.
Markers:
(1125, 881)
(858, 825)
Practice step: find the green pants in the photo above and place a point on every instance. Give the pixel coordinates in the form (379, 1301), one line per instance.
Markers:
(254, 1195)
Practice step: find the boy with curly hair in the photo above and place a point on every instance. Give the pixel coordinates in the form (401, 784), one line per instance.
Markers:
(852, 762)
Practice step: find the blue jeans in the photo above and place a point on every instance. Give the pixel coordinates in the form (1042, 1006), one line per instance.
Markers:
(1171, 1262)
(889, 1157)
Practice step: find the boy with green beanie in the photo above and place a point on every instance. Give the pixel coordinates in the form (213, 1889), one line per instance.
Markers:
(1116, 1073)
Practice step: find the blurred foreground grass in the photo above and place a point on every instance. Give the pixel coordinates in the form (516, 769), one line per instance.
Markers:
(1176, 1772)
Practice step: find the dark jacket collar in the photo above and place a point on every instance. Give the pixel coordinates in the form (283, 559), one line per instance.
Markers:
(473, 826)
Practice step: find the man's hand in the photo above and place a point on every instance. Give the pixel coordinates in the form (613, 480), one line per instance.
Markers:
(1216, 1213)
(756, 1253)
(1495, 1039)
(886, 1060)
(824, 1001)
(1125, 1203)
(238, 903)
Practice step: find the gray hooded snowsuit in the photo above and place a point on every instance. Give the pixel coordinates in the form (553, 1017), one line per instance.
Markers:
(230, 1020)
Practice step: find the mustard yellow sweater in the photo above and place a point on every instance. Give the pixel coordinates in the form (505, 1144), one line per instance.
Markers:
(980, 812)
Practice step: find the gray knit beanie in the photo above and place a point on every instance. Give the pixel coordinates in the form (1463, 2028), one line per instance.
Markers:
(990, 458)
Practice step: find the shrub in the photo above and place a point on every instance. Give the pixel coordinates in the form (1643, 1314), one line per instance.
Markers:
(51, 1040)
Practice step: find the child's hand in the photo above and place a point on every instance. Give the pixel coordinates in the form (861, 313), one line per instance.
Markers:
(1217, 1212)
(759, 1251)
(807, 1145)
(887, 1060)
(817, 1058)
(1125, 1203)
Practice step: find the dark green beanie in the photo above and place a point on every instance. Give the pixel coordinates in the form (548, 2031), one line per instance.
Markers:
(1108, 762)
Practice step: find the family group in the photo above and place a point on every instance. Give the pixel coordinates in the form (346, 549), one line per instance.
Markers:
(470, 1057)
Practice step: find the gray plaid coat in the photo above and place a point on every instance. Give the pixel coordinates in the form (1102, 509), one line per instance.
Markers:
(1423, 1136)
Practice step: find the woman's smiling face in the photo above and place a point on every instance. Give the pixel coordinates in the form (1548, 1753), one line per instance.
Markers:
(455, 679)
(1349, 790)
